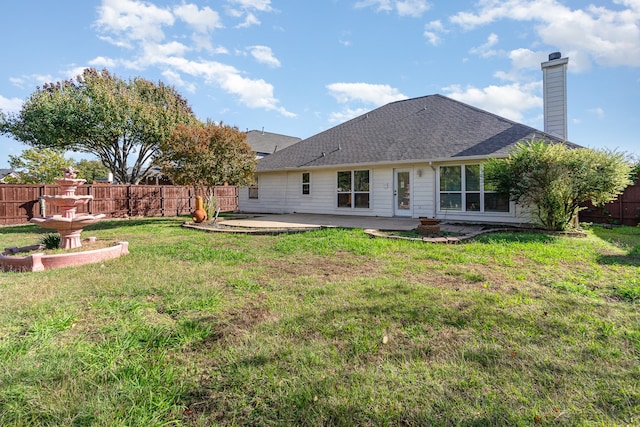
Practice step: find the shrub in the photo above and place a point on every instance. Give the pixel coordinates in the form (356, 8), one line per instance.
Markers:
(51, 241)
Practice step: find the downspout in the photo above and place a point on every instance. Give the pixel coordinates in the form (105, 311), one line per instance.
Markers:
(434, 188)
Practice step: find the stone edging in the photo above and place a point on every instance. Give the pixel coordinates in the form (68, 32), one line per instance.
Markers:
(252, 231)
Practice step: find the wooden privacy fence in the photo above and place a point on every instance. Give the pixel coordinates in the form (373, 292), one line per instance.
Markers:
(625, 210)
(20, 203)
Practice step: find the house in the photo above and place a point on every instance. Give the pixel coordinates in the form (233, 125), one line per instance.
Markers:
(7, 173)
(155, 177)
(416, 157)
(265, 143)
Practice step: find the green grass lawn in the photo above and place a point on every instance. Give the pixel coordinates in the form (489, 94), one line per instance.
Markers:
(328, 327)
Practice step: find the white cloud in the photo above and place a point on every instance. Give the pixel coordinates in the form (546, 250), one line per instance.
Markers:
(31, 80)
(156, 52)
(360, 93)
(248, 7)
(260, 5)
(598, 112)
(510, 101)
(10, 105)
(367, 93)
(346, 114)
(202, 20)
(102, 62)
(264, 55)
(254, 93)
(431, 31)
(485, 50)
(176, 80)
(249, 21)
(132, 20)
(609, 37)
(73, 72)
(381, 5)
(139, 25)
(413, 8)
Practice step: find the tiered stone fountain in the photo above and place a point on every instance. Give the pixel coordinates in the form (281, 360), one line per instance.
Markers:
(69, 225)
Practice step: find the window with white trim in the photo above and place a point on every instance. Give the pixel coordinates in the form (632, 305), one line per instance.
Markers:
(462, 189)
(306, 183)
(253, 188)
(353, 189)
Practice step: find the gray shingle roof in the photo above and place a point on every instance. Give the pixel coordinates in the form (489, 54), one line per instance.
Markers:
(268, 143)
(420, 129)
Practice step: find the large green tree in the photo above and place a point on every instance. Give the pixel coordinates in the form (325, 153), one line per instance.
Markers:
(91, 170)
(121, 122)
(205, 155)
(38, 166)
(553, 179)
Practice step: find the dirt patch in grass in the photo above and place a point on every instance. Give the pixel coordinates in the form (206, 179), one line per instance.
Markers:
(321, 268)
(234, 323)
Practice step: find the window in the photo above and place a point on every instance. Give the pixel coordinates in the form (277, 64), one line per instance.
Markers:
(306, 183)
(353, 189)
(462, 189)
(253, 189)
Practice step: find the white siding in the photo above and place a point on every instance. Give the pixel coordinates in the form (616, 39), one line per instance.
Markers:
(281, 192)
(423, 179)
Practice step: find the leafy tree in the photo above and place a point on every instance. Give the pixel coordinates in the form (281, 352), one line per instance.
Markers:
(38, 166)
(554, 180)
(121, 122)
(207, 154)
(91, 170)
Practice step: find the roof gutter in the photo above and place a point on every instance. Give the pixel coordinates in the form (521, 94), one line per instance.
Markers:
(386, 163)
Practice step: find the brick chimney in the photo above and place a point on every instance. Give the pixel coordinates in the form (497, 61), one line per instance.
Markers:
(554, 82)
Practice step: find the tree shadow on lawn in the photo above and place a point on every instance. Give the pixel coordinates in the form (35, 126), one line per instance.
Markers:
(111, 223)
(626, 238)
(630, 259)
(23, 229)
(104, 224)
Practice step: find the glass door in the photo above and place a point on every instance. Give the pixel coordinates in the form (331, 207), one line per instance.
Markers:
(402, 192)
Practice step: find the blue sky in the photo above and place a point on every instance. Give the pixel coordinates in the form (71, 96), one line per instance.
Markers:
(298, 67)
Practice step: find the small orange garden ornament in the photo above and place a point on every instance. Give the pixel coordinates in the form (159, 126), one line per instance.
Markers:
(199, 214)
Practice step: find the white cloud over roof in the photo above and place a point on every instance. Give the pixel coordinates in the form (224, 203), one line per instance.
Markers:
(509, 101)
(372, 94)
(609, 36)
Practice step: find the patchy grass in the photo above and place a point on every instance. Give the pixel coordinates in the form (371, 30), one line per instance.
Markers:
(413, 234)
(328, 327)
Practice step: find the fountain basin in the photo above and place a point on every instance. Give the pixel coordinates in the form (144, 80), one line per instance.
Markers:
(40, 261)
(59, 222)
(68, 227)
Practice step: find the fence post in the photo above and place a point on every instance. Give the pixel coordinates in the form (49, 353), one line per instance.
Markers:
(90, 204)
(621, 200)
(161, 200)
(129, 211)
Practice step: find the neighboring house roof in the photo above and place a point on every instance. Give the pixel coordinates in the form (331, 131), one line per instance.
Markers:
(266, 143)
(7, 172)
(427, 128)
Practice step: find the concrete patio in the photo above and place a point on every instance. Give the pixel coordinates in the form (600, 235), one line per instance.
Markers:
(309, 221)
